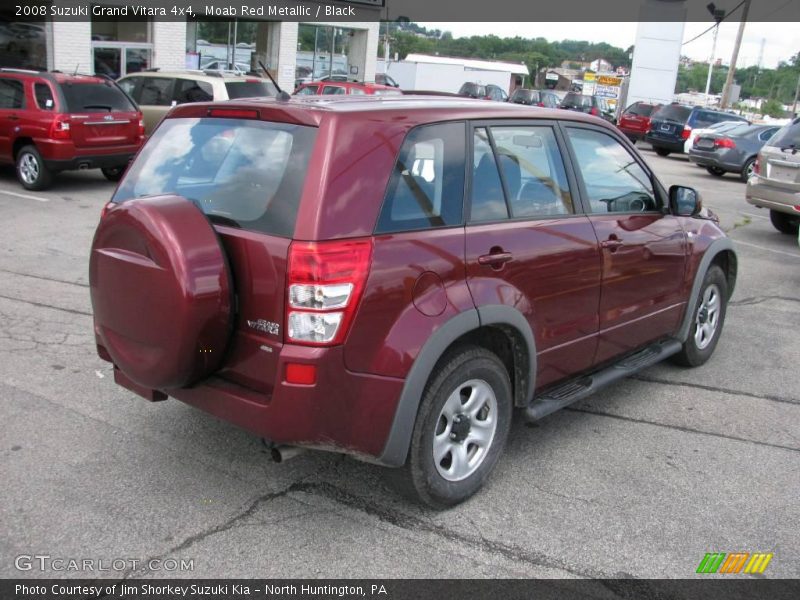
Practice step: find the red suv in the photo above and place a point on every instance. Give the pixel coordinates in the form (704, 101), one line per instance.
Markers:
(344, 88)
(51, 122)
(390, 278)
(634, 122)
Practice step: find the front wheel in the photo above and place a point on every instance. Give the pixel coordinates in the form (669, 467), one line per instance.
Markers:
(715, 171)
(784, 223)
(661, 151)
(461, 429)
(707, 321)
(32, 173)
(114, 173)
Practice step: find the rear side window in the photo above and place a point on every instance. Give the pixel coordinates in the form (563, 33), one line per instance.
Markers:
(129, 86)
(333, 90)
(190, 90)
(91, 97)
(309, 90)
(156, 91)
(426, 189)
(44, 96)
(249, 89)
(11, 94)
(241, 173)
(788, 136)
(673, 112)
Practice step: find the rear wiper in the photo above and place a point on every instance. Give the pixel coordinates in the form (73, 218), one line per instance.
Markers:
(220, 220)
(792, 147)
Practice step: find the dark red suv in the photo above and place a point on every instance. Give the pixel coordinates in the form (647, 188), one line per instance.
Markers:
(391, 277)
(51, 122)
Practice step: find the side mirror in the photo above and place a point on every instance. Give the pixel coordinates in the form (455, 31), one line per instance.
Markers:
(684, 201)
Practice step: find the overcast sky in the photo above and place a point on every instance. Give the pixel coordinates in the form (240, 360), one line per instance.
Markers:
(782, 39)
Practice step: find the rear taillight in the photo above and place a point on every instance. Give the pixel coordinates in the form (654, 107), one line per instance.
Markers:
(687, 131)
(757, 166)
(59, 128)
(724, 143)
(325, 283)
(140, 131)
(594, 111)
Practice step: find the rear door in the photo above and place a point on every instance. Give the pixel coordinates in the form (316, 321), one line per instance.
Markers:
(101, 115)
(643, 247)
(247, 176)
(529, 246)
(12, 105)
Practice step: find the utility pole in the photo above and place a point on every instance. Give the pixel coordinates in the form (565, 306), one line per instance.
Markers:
(796, 96)
(718, 15)
(726, 91)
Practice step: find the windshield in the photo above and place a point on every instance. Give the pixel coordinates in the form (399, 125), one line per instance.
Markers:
(673, 112)
(239, 172)
(95, 97)
(249, 89)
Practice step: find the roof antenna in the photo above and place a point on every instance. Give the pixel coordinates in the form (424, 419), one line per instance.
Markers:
(76, 68)
(283, 96)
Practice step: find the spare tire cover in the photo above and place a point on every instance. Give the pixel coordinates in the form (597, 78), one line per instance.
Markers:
(161, 291)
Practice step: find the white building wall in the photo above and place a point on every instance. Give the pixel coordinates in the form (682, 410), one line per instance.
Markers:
(72, 47)
(169, 45)
(442, 77)
(287, 54)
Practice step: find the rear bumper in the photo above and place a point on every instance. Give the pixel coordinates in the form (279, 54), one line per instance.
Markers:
(63, 155)
(712, 159)
(634, 134)
(670, 144)
(343, 411)
(90, 161)
(760, 193)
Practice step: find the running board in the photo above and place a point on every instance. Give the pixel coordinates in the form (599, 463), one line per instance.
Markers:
(583, 387)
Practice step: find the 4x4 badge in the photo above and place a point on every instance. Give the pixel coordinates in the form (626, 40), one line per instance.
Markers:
(108, 118)
(265, 326)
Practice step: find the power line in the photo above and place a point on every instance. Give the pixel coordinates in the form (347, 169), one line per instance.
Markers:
(733, 10)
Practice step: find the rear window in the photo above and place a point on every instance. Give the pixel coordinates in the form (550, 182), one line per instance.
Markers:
(642, 110)
(788, 136)
(577, 100)
(91, 97)
(240, 173)
(673, 112)
(523, 95)
(249, 89)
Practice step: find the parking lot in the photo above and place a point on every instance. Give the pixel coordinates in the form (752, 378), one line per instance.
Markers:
(641, 480)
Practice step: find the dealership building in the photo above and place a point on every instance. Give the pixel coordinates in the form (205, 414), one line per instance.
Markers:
(292, 51)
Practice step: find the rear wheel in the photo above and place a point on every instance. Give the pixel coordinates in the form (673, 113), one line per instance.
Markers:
(461, 429)
(114, 173)
(709, 316)
(716, 171)
(661, 151)
(784, 223)
(32, 173)
(748, 170)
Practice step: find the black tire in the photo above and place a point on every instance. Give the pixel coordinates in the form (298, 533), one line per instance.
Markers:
(31, 171)
(697, 349)
(114, 173)
(715, 171)
(420, 479)
(784, 223)
(661, 151)
(747, 169)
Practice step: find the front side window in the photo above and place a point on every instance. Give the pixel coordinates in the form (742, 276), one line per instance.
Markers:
(426, 189)
(614, 182)
(533, 171)
(44, 96)
(242, 173)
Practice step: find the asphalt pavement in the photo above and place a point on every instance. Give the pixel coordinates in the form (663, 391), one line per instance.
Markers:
(640, 480)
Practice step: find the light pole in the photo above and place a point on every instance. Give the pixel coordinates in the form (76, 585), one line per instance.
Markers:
(718, 15)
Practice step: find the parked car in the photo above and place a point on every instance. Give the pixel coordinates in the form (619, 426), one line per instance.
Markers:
(635, 120)
(385, 79)
(156, 92)
(345, 88)
(733, 151)
(775, 183)
(720, 127)
(221, 65)
(483, 92)
(52, 122)
(591, 105)
(544, 98)
(672, 125)
(322, 275)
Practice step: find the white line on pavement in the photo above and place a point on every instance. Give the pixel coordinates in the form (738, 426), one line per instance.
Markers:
(746, 214)
(26, 196)
(767, 249)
